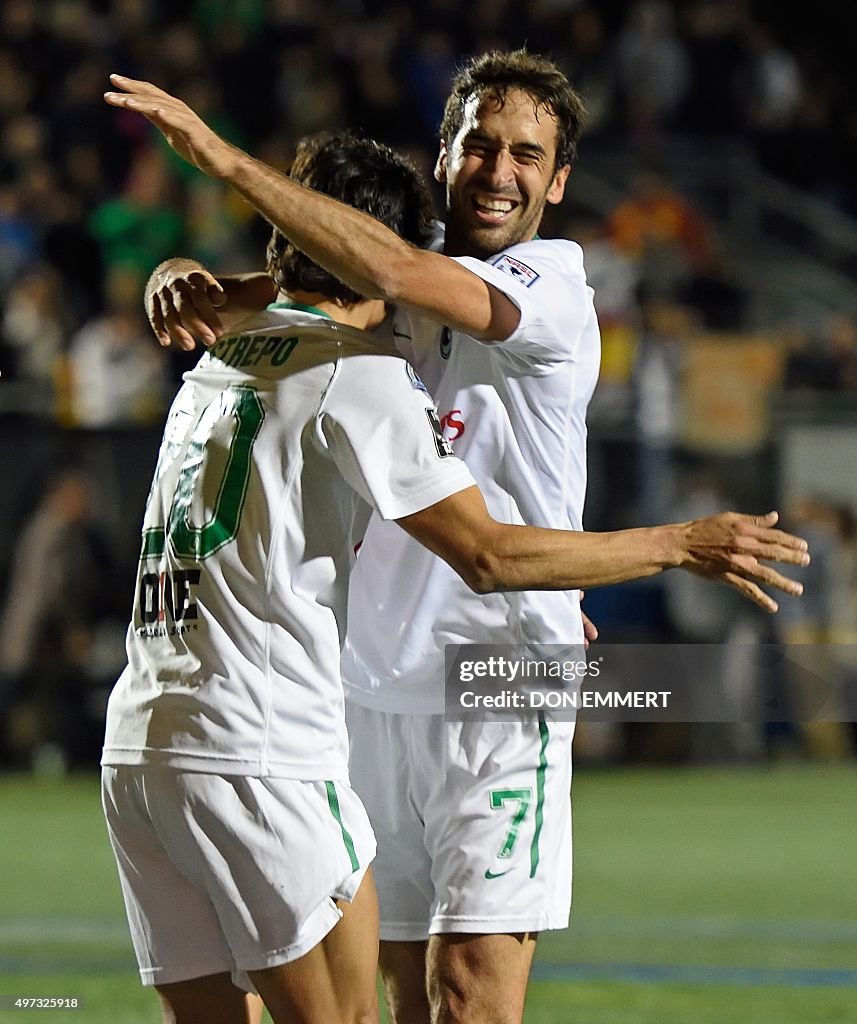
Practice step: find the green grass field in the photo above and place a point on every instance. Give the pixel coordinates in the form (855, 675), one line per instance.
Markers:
(704, 896)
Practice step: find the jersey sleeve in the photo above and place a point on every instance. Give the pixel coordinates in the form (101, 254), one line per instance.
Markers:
(380, 426)
(546, 281)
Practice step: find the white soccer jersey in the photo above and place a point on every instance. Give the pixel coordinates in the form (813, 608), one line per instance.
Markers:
(273, 446)
(516, 414)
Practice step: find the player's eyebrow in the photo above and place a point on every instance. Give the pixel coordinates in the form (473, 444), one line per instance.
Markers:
(520, 147)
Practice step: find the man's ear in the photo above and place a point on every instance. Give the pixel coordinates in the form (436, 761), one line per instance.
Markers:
(557, 189)
(440, 166)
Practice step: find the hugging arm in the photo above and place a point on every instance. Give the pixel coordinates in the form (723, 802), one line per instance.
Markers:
(363, 253)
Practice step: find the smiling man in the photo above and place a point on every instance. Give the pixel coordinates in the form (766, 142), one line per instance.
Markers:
(501, 327)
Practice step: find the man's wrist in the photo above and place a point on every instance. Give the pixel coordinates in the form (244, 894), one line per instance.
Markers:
(670, 545)
(166, 272)
(237, 168)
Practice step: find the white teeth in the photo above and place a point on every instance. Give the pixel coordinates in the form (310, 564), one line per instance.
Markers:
(498, 207)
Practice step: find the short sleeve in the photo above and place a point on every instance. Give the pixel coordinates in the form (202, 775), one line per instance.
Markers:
(380, 426)
(546, 281)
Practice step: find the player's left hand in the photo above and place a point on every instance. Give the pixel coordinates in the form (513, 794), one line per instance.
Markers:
(184, 130)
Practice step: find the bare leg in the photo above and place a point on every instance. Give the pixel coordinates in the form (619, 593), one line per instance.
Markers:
(479, 979)
(403, 971)
(209, 1000)
(335, 982)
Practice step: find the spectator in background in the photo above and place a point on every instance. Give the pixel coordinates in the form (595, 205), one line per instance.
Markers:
(116, 376)
(714, 36)
(775, 85)
(664, 233)
(60, 588)
(652, 69)
(676, 250)
(657, 380)
(843, 631)
(19, 238)
(142, 227)
(704, 618)
(35, 328)
(828, 620)
(587, 54)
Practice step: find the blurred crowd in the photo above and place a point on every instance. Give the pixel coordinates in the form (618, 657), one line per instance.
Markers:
(91, 199)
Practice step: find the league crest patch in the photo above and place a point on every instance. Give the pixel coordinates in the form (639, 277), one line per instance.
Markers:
(413, 377)
(520, 271)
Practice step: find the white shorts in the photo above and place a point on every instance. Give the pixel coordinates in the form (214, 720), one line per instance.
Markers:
(473, 821)
(230, 873)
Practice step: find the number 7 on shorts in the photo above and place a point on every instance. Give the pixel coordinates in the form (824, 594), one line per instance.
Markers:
(499, 798)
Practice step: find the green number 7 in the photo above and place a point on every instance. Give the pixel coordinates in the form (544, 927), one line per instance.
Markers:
(499, 798)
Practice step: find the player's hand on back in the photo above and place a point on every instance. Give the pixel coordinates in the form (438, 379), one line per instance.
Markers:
(735, 548)
(182, 300)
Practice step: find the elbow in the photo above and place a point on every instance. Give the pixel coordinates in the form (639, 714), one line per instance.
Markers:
(482, 573)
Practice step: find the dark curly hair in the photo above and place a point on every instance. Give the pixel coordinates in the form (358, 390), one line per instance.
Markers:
(497, 72)
(366, 175)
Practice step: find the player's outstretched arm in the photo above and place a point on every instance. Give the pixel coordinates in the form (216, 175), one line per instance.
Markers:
(353, 246)
(186, 304)
(492, 556)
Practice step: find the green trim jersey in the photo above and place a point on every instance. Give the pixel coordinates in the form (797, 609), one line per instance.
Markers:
(279, 443)
(515, 412)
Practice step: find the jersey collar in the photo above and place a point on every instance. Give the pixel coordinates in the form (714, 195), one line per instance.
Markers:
(301, 308)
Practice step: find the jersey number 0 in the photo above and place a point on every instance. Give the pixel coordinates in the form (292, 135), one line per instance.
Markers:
(198, 542)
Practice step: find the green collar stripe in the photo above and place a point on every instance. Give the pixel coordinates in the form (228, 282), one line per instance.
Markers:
(301, 308)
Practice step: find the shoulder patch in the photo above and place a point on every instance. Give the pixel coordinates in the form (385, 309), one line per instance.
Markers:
(520, 271)
(414, 378)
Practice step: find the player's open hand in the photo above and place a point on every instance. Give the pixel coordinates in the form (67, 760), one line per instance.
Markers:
(182, 299)
(184, 130)
(734, 548)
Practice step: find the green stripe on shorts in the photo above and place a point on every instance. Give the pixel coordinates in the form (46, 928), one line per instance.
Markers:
(540, 795)
(333, 802)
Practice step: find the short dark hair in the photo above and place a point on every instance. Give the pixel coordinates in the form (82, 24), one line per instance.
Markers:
(366, 175)
(497, 72)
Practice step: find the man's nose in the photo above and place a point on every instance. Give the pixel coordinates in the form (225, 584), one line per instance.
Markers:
(499, 168)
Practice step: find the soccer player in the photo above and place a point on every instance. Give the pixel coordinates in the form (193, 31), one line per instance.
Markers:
(504, 333)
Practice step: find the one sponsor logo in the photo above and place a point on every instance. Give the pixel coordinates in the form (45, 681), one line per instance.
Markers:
(453, 428)
(414, 378)
(444, 448)
(445, 343)
(489, 874)
(166, 602)
(520, 271)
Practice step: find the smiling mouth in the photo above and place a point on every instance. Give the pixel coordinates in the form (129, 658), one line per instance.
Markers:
(492, 209)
